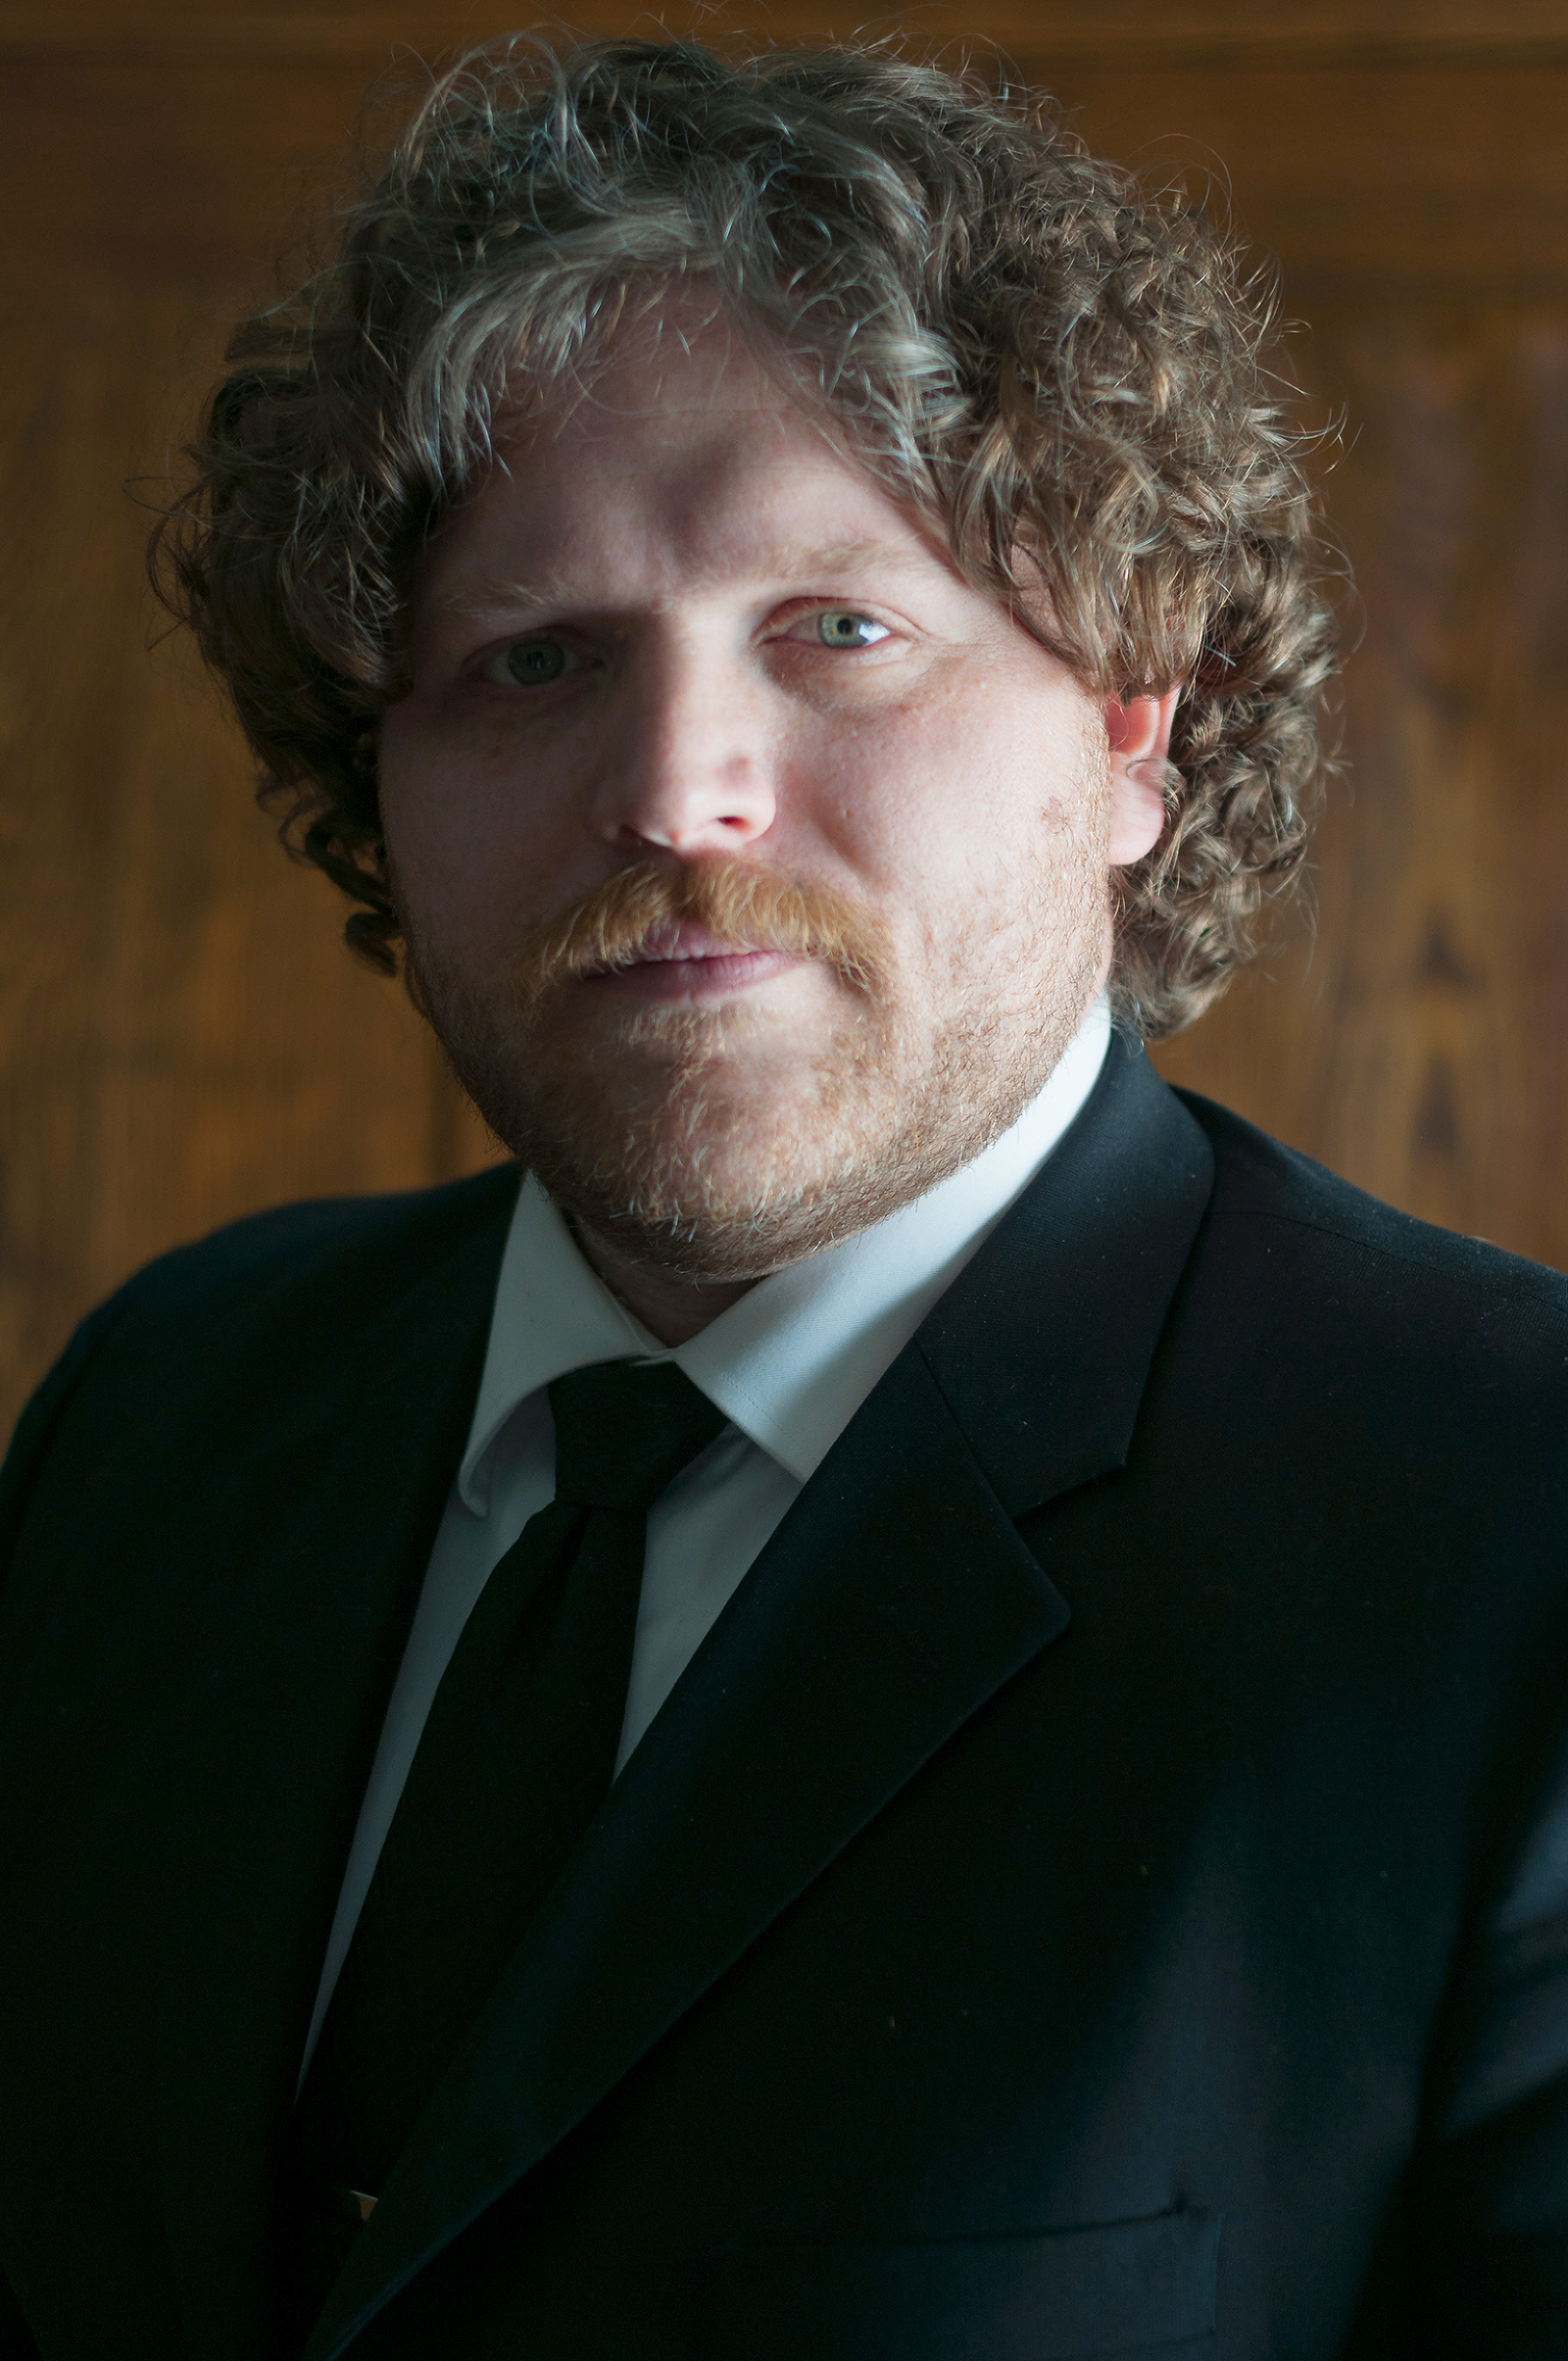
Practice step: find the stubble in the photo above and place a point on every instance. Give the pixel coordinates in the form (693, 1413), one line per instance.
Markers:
(712, 1143)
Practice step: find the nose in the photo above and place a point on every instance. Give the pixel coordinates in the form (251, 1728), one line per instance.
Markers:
(691, 770)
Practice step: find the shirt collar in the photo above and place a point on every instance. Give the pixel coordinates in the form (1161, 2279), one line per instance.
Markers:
(793, 1360)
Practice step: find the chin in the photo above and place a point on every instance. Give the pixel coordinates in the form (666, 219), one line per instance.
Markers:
(724, 1149)
(735, 1176)
(726, 1177)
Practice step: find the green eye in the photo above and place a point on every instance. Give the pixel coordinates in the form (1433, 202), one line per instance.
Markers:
(841, 627)
(534, 663)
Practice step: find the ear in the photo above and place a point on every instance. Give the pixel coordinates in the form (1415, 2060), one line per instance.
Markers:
(1139, 736)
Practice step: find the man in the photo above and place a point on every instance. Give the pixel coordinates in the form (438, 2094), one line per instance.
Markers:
(910, 1701)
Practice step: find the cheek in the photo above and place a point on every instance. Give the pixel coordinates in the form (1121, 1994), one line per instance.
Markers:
(424, 789)
(465, 839)
(965, 796)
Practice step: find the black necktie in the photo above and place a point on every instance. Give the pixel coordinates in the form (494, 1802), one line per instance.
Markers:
(515, 1759)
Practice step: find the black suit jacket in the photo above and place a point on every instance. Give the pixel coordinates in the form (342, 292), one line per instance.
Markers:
(1100, 1887)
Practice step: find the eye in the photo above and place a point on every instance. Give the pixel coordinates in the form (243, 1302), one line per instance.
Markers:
(841, 627)
(533, 662)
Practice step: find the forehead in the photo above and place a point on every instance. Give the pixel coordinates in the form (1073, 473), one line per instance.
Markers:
(681, 456)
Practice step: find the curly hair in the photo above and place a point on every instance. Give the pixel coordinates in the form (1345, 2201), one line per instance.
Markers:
(1072, 379)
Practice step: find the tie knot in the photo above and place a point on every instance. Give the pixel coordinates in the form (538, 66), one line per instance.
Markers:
(625, 1430)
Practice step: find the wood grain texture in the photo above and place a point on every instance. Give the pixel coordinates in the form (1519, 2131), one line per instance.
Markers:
(1432, 174)
(1424, 180)
(1400, 32)
(181, 1036)
(1420, 1043)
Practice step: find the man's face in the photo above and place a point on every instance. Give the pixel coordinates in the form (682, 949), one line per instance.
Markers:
(753, 865)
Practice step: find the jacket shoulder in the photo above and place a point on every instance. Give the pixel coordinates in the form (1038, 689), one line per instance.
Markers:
(295, 1279)
(1338, 1263)
(344, 1243)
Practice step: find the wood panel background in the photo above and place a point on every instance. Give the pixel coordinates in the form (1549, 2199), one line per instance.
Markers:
(182, 1038)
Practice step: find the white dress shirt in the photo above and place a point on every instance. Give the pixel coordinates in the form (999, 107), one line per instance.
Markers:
(789, 1365)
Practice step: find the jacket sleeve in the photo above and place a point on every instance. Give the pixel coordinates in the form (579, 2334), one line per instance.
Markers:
(36, 1431)
(16, 2337)
(36, 1428)
(29, 1446)
(1490, 2224)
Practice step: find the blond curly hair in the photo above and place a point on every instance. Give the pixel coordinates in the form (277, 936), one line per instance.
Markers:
(1075, 379)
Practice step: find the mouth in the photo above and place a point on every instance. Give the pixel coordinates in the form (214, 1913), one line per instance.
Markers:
(689, 963)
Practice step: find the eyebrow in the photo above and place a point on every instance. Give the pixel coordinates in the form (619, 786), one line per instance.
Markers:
(495, 594)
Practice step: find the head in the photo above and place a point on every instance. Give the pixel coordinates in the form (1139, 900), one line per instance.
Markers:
(775, 582)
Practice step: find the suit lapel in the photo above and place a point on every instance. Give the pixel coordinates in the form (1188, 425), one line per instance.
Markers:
(1044, 1344)
(851, 1653)
(892, 1601)
(303, 1623)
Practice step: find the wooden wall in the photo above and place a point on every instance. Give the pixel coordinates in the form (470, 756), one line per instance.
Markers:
(181, 1038)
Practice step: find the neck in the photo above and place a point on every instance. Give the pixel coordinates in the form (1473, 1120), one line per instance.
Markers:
(668, 1305)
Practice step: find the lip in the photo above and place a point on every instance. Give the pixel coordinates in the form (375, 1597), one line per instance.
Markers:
(690, 974)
